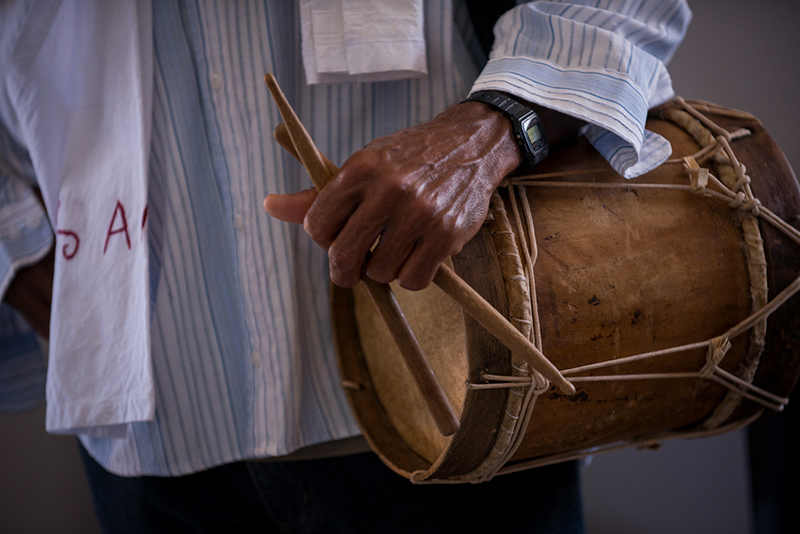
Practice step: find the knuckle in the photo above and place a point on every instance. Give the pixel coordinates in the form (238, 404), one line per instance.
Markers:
(343, 261)
(414, 281)
(394, 192)
(361, 164)
(454, 249)
(317, 232)
(398, 186)
(444, 232)
(381, 273)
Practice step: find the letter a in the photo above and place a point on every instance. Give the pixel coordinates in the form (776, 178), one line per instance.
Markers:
(124, 228)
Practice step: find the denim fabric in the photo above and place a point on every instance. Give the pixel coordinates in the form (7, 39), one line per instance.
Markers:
(349, 494)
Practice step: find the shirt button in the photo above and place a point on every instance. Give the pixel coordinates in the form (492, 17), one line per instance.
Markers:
(255, 359)
(216, 82)
(237, 221)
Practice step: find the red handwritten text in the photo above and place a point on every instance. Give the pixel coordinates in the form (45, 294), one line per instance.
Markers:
(123, 229)
(117, 225)
(69, 254)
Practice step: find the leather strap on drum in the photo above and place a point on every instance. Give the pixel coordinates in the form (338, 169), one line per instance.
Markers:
(521, 297)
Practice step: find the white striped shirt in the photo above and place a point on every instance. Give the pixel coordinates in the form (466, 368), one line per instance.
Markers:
(240, 332)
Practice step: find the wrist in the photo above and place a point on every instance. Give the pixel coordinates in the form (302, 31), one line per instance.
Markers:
(533, 127)
(526, 127)
(501, 150)
(490, 132)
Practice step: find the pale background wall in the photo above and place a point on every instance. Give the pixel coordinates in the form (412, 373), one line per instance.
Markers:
(738, 53)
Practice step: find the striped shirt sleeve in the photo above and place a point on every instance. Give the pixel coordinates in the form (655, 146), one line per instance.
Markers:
(25, 237)
(600, 60)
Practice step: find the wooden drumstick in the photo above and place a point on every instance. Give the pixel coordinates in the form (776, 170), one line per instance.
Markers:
(471, 301)
(500, 327)
(303, 148)
(281, 135)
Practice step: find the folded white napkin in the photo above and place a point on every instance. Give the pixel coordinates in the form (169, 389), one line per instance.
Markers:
(362, 40)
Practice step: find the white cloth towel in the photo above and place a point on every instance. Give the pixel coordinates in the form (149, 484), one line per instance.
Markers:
(362, 40)
(83, 102)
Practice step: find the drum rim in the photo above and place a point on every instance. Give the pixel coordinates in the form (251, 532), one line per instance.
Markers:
(482, 410)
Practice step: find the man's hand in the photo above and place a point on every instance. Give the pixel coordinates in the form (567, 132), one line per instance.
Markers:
(424, 191)
(31, 292)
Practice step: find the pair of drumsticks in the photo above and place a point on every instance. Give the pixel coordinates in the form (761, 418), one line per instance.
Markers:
(293, 136)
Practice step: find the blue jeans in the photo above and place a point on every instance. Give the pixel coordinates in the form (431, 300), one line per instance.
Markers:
(354, 493)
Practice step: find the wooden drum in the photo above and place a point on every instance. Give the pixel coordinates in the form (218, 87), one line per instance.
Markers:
(668, 300)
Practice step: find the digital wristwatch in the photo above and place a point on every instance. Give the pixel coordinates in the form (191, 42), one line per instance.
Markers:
(528, 132)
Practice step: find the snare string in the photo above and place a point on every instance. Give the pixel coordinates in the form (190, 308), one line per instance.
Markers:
(720, 376)
(725, 194)
(499, 381)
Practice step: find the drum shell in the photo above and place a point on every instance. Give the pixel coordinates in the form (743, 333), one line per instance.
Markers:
(619, 272)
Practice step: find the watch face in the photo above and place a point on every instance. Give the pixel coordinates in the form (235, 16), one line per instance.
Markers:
(534, 138)
(533, 132)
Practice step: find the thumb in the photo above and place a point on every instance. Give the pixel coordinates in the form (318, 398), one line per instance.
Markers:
(292, 207)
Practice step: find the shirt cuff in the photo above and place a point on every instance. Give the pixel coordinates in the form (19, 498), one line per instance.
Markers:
(610, 102)
(99, 419)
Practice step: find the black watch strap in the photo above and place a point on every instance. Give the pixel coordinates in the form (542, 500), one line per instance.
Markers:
(527, 127)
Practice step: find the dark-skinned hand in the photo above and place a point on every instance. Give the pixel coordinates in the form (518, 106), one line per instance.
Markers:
(424, 190)
(31, 293)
